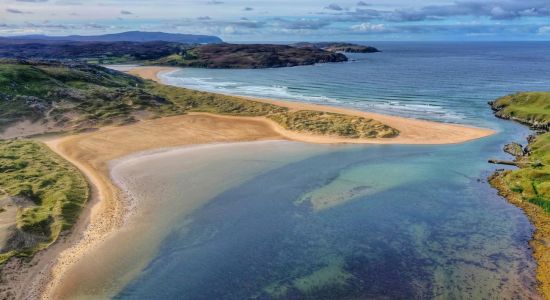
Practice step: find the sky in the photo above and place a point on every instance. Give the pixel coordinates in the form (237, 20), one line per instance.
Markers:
(286, 20)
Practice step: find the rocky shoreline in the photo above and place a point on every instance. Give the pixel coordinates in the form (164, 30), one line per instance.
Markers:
(539, 217)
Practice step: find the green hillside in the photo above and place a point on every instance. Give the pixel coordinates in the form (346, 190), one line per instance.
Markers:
(531, 182)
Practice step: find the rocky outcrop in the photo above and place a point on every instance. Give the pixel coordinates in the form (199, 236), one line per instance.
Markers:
(531, 121)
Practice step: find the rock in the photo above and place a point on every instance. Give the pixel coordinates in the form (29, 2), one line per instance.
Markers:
(514, 149)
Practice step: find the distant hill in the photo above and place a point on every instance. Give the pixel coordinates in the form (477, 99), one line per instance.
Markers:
(338, 47)
(94, 52)
(130, 36)
(249, 56)
(170, 53)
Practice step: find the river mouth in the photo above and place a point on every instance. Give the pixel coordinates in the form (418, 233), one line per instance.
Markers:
(394, 221)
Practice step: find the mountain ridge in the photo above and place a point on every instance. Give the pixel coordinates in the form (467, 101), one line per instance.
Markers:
(128, 36)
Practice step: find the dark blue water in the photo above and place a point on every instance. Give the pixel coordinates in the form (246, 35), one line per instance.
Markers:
(359, 222)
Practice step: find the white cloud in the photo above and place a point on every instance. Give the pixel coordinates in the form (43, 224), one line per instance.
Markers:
(369, 27)
(544, 30)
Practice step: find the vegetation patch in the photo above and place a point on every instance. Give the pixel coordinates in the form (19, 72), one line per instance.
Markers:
(72, 95)
(325, 123)
(49, 192)
(531, 182)
(197, 101)
(531, 108)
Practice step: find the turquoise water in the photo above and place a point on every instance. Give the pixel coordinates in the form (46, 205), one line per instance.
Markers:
(355, 222)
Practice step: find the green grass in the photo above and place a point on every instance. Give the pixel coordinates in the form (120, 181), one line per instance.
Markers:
(324, 123)
(73, 95)
(56, 189)
(531, 108)
(532, 181)
(196, 101)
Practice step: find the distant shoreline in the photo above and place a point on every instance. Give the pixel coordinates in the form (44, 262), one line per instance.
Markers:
(91, 152)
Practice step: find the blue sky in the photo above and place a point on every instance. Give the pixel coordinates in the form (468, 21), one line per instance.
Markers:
(286, 20)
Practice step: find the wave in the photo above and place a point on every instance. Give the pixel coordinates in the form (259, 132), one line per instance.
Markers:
(392, 107)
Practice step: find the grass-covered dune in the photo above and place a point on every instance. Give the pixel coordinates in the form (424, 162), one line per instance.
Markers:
(72, 95)
(325, 123)
(47, 193)
(529, 186)
(75, 96)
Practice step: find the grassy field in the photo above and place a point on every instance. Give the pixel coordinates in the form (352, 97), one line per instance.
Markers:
(53, 191)
(532, 181)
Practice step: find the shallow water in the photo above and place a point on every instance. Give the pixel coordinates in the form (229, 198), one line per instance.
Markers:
(164, 187)
(353, 221)
(404, 222)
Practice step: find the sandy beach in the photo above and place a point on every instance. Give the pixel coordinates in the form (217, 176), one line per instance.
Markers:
(91, 152)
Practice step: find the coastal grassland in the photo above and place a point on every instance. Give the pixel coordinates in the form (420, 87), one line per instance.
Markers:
(528, 187)
(326, 123)
(532, 181)
(72, 95)
(197, 101)
(531, 108)
(48, 191)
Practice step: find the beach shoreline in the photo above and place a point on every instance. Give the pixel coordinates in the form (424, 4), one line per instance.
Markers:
(91, 152)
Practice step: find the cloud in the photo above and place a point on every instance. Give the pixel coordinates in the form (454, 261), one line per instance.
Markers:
(302, 24)
(248, 8)
(215, 2)
(495, 10)
(544, 30)
(33, 1)
(362, 3)
(334, 6)
(204, 18)
(125, 12)
(368, 27)
(14, 11)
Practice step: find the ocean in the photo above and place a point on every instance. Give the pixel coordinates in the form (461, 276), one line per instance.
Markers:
(351, 222)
